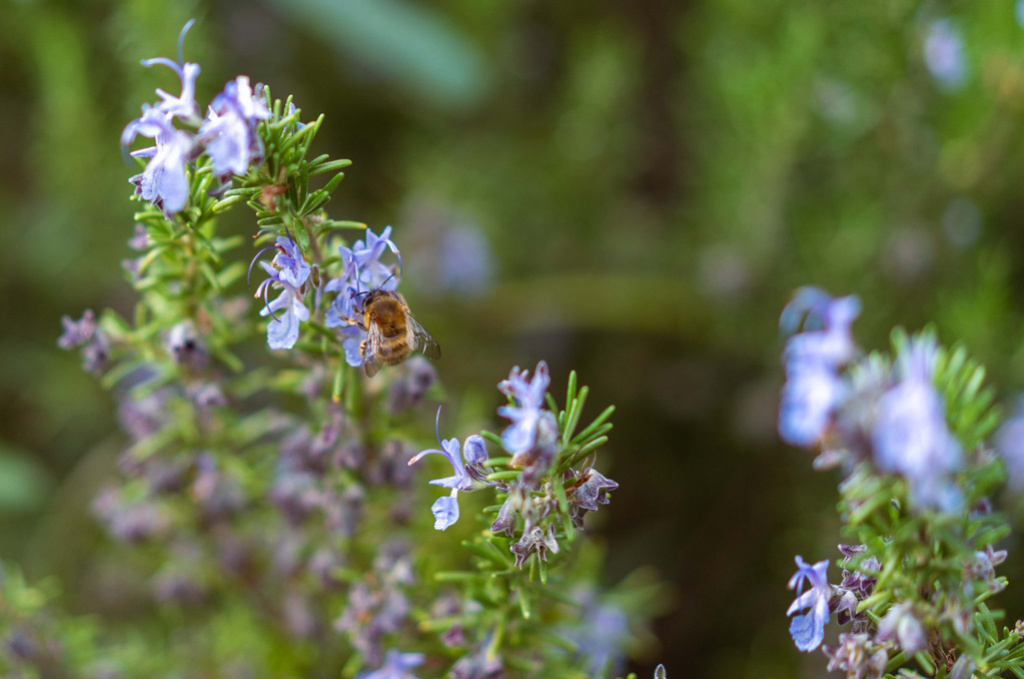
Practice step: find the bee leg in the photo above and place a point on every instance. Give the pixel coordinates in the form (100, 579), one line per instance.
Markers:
(352, 321)
(362, 348)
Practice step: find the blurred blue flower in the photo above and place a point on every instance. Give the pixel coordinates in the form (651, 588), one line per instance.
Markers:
(910, 435)
(164, 182)
(808, 629)
(229, 131)
(77, 333)
(944, 54)
(287, 271)
(811, 393)
(462, 261)
(900, 624)
(601, 633)
(397, 665)
(1009, 443)
(525, 414)
(813, 388)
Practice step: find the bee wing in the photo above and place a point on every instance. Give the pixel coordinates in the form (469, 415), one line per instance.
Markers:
(370, 349)
(423, 341)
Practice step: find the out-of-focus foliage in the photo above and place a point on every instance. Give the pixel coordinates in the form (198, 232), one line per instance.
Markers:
(652, 180)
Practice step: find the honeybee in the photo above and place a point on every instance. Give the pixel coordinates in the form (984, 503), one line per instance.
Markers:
(391, 332)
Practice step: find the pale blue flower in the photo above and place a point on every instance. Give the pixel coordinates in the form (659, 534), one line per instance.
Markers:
(808, 628)
(229, 131)
(397, 665)
(183, 106)
(289, 272)
(365, 259)
(601, 633)
(1009, 443)
(352, 337)
(289, 311)
(362, 271)
(814, 388)
(910, 435)
(469, 475)
(809, 397)
(164, 182)
(450, 448)
(445, 510)
(833, 344)
(289, 260)
(528, 396)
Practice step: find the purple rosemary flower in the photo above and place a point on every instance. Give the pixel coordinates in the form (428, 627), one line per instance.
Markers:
(77, 333)
(536, 540)
(362, 271)
(164, 182)
(902, 625)
(140, 238)
(469, 475)
(396, 666)
(813, 388)
(483, 663)
(982, 569)
(131, 521)
(217, 493)
(376, 607)
(528, 397)
(963, 668)
(832, 344)
(184, 105)
(590, 490)
(601, 633)
(84, 333)
(185, 347)
(858, 656)
(365, 259)
(288, 271)
(910, 434)
(808, 628)
(506, 520)
(229, 131)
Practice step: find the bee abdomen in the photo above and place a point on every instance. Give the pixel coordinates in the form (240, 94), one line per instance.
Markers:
(393, 353)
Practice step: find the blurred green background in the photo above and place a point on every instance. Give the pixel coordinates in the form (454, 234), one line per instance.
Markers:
(643, 184)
